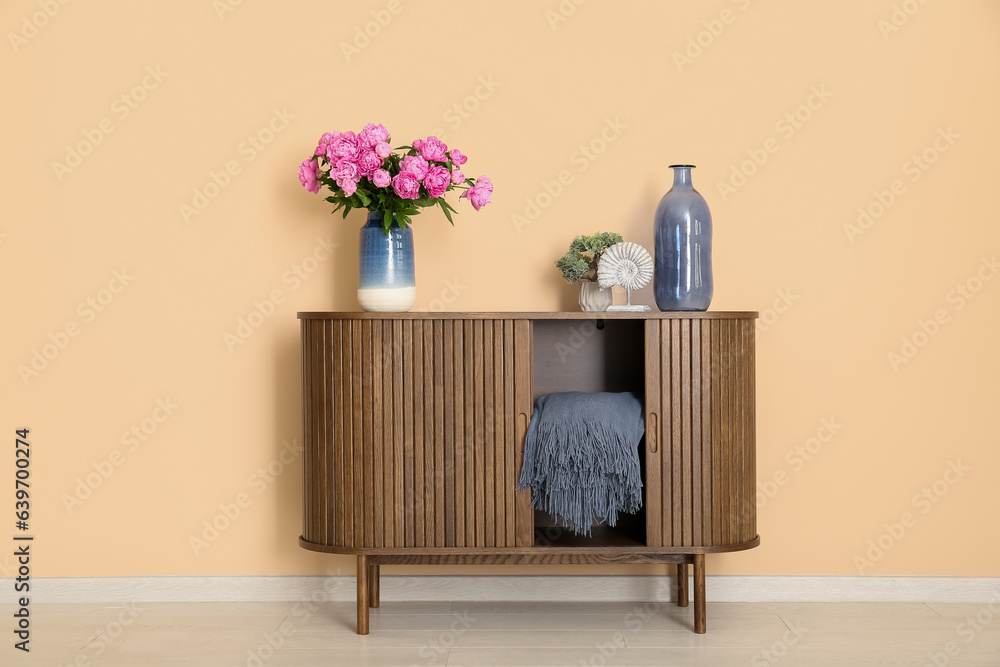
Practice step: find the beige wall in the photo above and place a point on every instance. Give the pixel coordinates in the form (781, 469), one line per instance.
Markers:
(888, 97)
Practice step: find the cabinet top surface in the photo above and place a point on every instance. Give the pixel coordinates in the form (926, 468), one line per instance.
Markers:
(569, 315)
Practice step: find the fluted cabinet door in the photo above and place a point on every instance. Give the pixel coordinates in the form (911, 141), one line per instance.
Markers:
(413, 432)
(700, 432)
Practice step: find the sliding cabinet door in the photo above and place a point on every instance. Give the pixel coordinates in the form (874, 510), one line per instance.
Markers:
(700, 440)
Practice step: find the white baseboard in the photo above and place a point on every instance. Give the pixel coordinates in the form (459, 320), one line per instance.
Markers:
(508, 588)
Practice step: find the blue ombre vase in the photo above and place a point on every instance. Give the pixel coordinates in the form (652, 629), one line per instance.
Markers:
(386, 279)
(682, 279)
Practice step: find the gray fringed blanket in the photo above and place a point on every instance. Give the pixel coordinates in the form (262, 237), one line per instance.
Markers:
(581, 457)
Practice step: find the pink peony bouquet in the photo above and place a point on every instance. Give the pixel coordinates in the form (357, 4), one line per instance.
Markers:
(363, 171)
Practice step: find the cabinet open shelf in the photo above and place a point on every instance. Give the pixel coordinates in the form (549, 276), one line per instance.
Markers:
(589, 355)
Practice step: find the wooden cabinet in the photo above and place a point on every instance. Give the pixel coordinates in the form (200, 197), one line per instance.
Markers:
(414, 427)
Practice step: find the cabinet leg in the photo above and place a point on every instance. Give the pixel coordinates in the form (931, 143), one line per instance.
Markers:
(362, 595)
(682, 584)
(699, 593)
(373, 593)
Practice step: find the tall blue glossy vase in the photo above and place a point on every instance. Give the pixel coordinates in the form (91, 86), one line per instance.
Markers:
(386, 278)
(682, 278)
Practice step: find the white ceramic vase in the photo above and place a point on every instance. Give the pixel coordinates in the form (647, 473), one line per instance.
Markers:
(592, 299)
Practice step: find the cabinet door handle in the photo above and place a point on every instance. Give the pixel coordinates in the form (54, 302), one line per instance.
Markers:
(651, 432)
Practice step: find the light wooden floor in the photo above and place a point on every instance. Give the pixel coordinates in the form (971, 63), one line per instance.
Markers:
(505, 633)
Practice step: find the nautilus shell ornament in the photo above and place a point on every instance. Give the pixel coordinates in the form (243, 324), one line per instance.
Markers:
(629, 265)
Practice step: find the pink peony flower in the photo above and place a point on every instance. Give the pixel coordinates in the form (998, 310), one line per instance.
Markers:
(373, 134)
(325, 141)
(437, 180)
(349, 188)
(432, 150)
(480, 193)
(382, 149)
(344, 147)
(346, 172)
(381, 178)
(308, 175)
(368, 163)
(416, 166)
(406, 186)
(457, 176)
(456, 157)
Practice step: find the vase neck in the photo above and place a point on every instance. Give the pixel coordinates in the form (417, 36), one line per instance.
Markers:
(375, 220)
(682, 175)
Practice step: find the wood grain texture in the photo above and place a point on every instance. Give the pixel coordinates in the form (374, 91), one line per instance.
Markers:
(413, 433)
(719, 343)
(706, 432)
(449, 469)
(666, 440)
(524, 521)
(469, 441)
(363, 591)
(702, 382)
(310, 463)
(682, 584)
(511, 442)
(708, 491)
(347, 441)
(375, 440)
(695, 462)
(699, 594)
(414, 428)
(357, 421)
(677, 470)
(388, 438)
(368, 462)
(686, 433)
(478, 437)
(460, 433)
(501, 488)
(418, 417)
(557, 557)
(374, 593)
(436, 330)
(406, 410)
(398, 500)
(485, 444)
(627, 551)
(654, 451)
